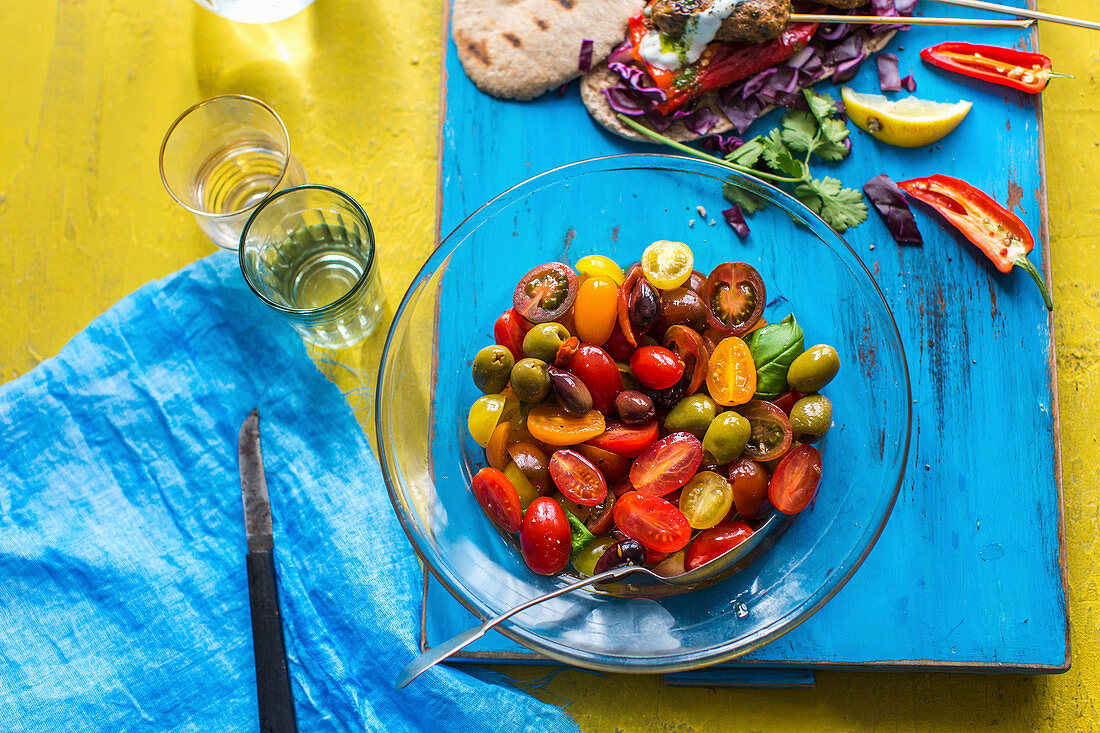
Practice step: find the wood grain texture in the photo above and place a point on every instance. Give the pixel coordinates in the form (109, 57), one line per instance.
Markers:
(84, 220)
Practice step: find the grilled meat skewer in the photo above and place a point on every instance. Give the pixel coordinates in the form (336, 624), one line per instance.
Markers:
(749, 21)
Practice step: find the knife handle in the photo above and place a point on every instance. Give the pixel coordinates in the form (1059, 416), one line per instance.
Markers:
(272, 677)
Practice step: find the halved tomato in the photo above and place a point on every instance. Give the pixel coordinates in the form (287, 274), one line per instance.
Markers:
(613, 467)
(794, 482)
(706, 499)
(577, 478)
(551, 424)
(710, 544)
(735, 297)
(546, 292)
(509, 331)
(652, 521)
(533, 462)
(770, 431)
(689, 347)
(496, 495)
(731, 373)
(625, 440)
(667, 464)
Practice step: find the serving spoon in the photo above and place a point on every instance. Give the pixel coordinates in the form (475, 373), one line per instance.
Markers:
(460, 641)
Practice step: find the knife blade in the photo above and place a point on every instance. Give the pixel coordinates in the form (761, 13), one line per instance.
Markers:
(276, 702)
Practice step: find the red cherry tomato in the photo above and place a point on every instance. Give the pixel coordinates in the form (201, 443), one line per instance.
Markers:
(770, 431)
(632, 276)
(628, 441)
(496, 495)
(652, 557)
(546, 292)
(613, 467)
(689, 347)
(545, 540)
(667, 465)
(786, 400)
(794, 482)
(652, 521)
(509, 331)
(714, 542)
(734, 297)
(577, 478)
(617, 345)
(656, 367)
(749, 482)
(593, 366)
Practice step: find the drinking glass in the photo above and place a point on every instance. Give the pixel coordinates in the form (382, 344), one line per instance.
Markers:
(255, 11)
(308, 252)
(222, 157)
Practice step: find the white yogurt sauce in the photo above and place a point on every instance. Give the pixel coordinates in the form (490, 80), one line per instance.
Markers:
(666, 52)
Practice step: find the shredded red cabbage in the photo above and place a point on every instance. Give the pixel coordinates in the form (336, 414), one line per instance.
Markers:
(584, 63)
(893, 207)
(724, 144)
(736, 219)
(889, 79)
(909, 84)
(847, 70)
(624, 101)
(623, 53)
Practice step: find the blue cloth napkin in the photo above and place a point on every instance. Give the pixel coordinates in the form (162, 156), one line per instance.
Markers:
(123, 594)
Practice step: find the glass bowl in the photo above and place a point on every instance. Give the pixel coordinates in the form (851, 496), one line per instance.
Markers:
(616, 206)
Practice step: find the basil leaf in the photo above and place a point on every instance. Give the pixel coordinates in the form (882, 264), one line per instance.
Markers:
(773, 348)
(581, 535)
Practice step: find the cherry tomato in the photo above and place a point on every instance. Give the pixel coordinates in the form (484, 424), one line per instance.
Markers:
(627, 440)
(667, 464)
(786, 400)
(652, 557)
(617, 345)
(697, 281)
(712, 543)
(577, 478)
(749, 482)
(551, 424)
(689, 348)
(666, 264)
(794, 482)
(545, 539)
(546, 292)
(496, 495)
(734, 297)
(706, 499)
(652, 521)
(632, 276)
(613, 467)
(484, 415)
(534, 463)
(509, 331)
(622, 486)
(731, 373)
(770, 431)
(496, 452)
(656, 367)
(600, 266)
(595, 311)
(602, 519)
(524, 488)
(595, 368)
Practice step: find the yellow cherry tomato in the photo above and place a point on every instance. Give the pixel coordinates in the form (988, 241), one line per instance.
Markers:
(527, 492)
(595, 311)
(666, 264)
(731, 373)
(706, 499)
(600, 266)
(484, 415)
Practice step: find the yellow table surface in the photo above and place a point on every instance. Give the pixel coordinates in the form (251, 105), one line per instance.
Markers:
(91, 86)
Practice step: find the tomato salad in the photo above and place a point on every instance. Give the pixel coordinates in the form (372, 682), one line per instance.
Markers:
(647, 416)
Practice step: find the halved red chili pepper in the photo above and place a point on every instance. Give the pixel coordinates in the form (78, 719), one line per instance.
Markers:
(993, 229)
(721, 63)
(1010, 67)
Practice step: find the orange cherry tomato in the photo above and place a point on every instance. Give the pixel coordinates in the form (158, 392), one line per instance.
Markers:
(731, 373)
(595, 311)
(497, 450)
(552, 425)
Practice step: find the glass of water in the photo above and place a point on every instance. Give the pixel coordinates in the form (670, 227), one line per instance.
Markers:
(222, 157)
(255, 11)
(309, 253)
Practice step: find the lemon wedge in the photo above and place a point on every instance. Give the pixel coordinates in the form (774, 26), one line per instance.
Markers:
(908, 122)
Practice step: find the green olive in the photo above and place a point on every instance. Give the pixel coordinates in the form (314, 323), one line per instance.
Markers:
(811, 417)
(492, 365)
(813, 368)
(726, 437)
(585, 560)
(692, 414)
(531, 380)
(543, 340)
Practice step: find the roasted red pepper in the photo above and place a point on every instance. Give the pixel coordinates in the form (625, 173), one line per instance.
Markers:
(720, 64)
(993, 229)
(1023, 70)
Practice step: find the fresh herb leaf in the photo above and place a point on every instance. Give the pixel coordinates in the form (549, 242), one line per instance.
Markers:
(779, 158)
(749, 202)
(822, 106)
(841, 208)
(748, 154)
(831, 145)
(799, 131)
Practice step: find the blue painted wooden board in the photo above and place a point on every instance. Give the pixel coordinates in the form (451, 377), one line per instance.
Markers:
(969, 570)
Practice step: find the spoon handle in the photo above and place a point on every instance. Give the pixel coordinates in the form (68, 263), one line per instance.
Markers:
(456, 643)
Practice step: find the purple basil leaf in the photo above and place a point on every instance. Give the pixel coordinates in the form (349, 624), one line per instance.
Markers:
(889, 79)
(893, 207)
(736, 219)
(584, 63)
(909, 84)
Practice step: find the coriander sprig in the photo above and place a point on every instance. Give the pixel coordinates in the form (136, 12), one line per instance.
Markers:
(819, 132)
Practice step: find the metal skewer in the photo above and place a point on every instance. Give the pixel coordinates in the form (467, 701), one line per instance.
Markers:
(1021, 12)
(918, 20)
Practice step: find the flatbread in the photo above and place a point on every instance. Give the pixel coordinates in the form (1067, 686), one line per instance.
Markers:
(518, 49)
(600, 78)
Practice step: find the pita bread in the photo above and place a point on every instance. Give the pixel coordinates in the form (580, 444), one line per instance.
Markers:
(600, 78)
(518, 49)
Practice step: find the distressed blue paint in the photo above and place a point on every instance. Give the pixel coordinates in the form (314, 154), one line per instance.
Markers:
(967, 571)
